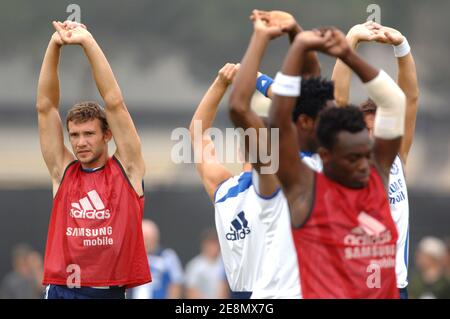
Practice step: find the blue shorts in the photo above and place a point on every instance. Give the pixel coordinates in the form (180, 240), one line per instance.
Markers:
(403, 293)
(240, 295)
(64, 292)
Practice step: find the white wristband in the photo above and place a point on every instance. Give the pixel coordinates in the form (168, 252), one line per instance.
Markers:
(287, 85)
(402, 49)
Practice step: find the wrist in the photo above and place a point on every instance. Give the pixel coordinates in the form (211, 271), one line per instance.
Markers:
(87, 41)
(300, 45)
(54, 44)
(353, 40)
(294, 31)
(348, 56)
(221, 83)
(261, 35)
(263, 82)
(402, 49)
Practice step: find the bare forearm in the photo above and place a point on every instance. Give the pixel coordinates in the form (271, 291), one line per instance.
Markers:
(293, 33)
(407, 81)
(294, 63)
(103, 74)
(245, 82)
(342, 76)
(207, 109)
(407, 77)
(364, 70)
(281, 111)
(48, 86)
(312, 64)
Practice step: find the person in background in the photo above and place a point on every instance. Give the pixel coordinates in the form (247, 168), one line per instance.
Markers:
(205, 272)
(430, 281)
(23, 282)
(165, 266)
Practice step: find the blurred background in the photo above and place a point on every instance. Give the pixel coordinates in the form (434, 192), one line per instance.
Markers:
(164, 55)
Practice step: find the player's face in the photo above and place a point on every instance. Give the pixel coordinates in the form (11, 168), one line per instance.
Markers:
(369, 118)
(88, 141)
(211, 248)
(349, 161)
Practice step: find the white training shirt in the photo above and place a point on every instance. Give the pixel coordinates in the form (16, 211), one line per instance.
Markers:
(255, 239)
(240, 231)
(398, 201)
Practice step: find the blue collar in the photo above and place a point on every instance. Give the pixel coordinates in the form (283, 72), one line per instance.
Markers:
(305, 154)
(91, 170)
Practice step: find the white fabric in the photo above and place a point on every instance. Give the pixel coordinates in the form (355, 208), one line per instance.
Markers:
(398, 201)
(279, 277)
(391, 106)
(286, 85)
(241, 249)
(314, 162)
(402, 49)
(263, 260)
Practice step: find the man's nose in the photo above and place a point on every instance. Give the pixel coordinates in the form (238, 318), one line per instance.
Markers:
(81, 141)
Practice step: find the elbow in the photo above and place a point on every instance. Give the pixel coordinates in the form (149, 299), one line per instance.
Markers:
(43, 106)
(413, 97)
(273, 120)
(339, 98)
(340, 101)
(237, 105)
(114, 102)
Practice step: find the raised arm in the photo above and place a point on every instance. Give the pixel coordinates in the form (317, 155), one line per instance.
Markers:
(390, 116)
(296, 178)
(342, 74)
(289, 25)
(211, 171)
(51, 136)
(406, 79)
(241, 113)
(125, 136)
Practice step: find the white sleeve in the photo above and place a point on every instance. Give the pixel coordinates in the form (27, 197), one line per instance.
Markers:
(391, 106)
(255, 182)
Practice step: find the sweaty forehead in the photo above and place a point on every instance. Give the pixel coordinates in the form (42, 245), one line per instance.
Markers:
(359, 142)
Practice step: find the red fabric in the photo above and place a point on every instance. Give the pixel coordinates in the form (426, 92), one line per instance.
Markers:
(104, 206)
(329, 243)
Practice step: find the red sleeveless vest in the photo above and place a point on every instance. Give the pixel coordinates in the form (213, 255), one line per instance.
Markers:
(95, 230)
(346, 249)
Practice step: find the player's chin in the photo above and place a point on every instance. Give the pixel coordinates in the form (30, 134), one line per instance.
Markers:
(359, 183)
(85, 159)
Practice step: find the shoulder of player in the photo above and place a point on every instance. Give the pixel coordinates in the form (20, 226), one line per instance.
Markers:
(232, 187)
(132, 168)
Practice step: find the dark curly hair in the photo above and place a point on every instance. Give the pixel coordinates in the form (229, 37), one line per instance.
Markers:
(337, 119)
(315, 92)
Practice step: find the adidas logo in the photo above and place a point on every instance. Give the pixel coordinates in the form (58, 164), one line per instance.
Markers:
(369, 232)
(239, 228)
(370, 225)
(90, 207)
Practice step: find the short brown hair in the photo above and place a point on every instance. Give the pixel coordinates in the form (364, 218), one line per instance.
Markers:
(86, 111)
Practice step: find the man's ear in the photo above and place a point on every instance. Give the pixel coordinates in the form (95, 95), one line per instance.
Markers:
(108, 135)
(325, 154)
(305, 122)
